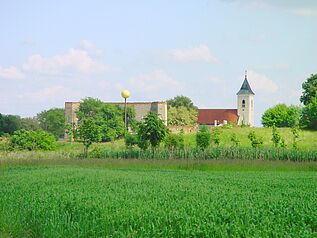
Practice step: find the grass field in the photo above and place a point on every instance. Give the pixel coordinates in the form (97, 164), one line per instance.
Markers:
(130, 198)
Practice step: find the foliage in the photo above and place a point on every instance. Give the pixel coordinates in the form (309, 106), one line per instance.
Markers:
(310, 89)
(5, 142)
(309, 115)
(130, 140)
(181, 101)
(276, 137)
(234, 139)
(181, 116)
(175, 141)
(32, 140)
(53, 121)
(215, 136)
(9, 124)
(295, 132)
(89, 132)
(152, 129)
(110, 118)
(256, 141)
(30, 124)
(281, 115)
(203, 137)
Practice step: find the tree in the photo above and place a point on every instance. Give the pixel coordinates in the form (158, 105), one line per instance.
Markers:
(309, 115)
(109, 117)
(53, 121)
(181, 116)
(175, 141)
(181, 101)
(152, 129)
(30, 123)
(89, 132)
(295, 132)
(281, 116)
(9, 124)
(181, 111)
(203, 137)
(310, 89)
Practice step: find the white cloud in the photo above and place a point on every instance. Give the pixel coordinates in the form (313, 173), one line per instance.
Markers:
(200, 53)
(49, 94)
(153, 82)
(75, 60)
(11, 73)
(86, 44)
(261, 83)
(304, 8)
(304, 12)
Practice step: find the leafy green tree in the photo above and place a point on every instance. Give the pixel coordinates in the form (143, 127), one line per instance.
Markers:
(203, 137)
(181, 116)
(309, 115)
(181, 101)
(109, 117)
(130, 140)
(310, 89)
(30, 123)
(32, 140)
(10, 123)
(89, 132)
(152, 129)
(53, 121)
(281, 116)
(255, 140)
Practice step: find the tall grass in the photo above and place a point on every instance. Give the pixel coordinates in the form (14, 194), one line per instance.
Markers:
(214, 153)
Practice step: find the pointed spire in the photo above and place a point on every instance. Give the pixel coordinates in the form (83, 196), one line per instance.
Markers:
(245, 88)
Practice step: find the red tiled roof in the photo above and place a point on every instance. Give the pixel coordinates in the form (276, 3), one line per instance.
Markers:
(208, 116)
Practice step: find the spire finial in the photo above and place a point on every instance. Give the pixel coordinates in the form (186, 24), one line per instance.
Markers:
(246, 74)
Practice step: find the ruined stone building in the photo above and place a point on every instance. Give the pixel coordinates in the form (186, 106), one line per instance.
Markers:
(141, 110)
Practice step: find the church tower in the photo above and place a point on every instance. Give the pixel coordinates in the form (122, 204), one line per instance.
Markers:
(245, 103)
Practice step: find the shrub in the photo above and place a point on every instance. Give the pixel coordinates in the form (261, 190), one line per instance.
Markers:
(255, 140)
(216, 136)
(203, 137)
(130, 140)
(32, 140)
(234, 139)
(276, 137)
(175, 141)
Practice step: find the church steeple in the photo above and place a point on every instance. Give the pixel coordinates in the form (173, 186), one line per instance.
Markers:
(246, 103)
(245, 88)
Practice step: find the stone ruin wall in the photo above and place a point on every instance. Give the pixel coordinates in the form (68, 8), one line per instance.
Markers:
(141, 110)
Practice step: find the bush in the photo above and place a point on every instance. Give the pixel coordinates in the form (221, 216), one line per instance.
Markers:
(32, 140)
(175, 141)
(216, 136)
(255, 141)
(281, 115)
(203, 137)
(130, 140)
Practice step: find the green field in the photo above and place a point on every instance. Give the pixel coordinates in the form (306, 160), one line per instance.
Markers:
(130, 198)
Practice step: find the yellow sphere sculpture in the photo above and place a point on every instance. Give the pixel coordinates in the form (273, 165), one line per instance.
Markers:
(125, 94)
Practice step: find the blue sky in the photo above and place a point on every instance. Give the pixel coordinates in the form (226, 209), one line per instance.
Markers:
(57, 51)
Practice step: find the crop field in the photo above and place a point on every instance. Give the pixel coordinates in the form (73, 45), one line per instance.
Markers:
(79, 200)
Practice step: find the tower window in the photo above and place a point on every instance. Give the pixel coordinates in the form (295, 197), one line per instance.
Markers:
(243, 103)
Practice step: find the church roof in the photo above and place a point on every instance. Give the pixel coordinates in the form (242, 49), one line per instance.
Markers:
(245, 88)
(209, 116)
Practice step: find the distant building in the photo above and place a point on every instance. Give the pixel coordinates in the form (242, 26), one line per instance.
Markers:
(141, 110)
(243, 115)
